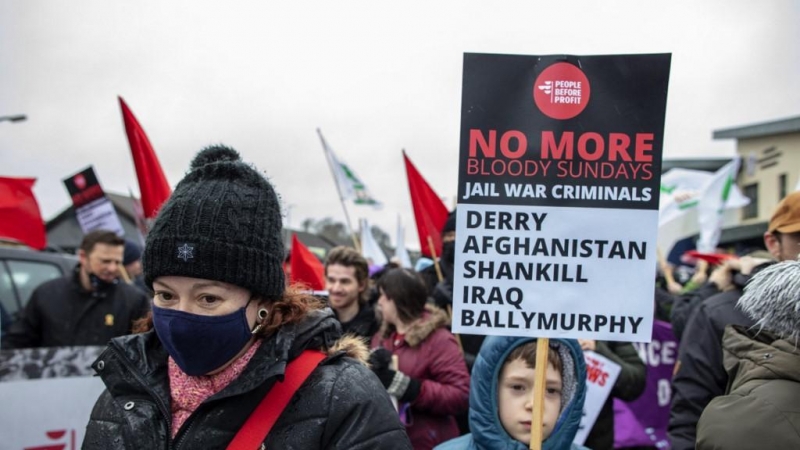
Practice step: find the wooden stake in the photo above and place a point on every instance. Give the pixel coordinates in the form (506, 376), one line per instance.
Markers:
(435, 258)
(539, 381)
(124, 275)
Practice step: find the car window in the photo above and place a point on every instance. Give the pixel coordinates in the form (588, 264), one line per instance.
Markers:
(8, 299)
(28, 275)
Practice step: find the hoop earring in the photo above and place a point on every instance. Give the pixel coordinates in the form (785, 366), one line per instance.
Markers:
(262, 316)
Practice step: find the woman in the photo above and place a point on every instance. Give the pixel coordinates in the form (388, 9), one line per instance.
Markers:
(225, 330)
(432, 377)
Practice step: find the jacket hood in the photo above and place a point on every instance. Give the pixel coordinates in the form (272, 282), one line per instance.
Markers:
(432, 319)
(772, 300)
(752, 355)
(484, 421)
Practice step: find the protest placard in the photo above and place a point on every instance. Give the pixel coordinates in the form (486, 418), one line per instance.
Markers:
(601, 374)
(93, 209)
(643, 422)
(559, 170)
(48, 394)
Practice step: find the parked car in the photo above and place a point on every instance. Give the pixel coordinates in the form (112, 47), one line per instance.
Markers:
(21, 271)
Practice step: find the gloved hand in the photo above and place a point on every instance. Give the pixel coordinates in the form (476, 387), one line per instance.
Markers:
(397, 384)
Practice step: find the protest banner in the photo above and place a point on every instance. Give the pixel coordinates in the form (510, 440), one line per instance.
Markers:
(62, 376)
(560, 158)
(93, 209)
(558, 195)
(643, 422)
(601, 375)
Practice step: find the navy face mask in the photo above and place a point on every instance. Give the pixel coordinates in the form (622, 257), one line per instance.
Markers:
(201, 344)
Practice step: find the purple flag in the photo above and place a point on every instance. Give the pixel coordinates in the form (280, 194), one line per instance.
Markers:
(643, 422)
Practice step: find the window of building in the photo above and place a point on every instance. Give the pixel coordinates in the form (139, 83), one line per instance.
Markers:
(751, 209)
(781, 186)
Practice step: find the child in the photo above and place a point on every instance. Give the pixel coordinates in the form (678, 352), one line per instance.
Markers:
(501, 395)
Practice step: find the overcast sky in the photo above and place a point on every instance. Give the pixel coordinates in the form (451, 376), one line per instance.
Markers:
(376, 77)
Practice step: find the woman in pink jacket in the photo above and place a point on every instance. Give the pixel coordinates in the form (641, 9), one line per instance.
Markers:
(431, 382)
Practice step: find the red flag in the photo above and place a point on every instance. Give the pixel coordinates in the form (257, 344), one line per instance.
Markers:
(152, 183)
(22, 220)
(306, 268)
(429, 210)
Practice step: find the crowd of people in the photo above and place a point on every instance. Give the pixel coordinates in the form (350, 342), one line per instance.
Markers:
(207, 344)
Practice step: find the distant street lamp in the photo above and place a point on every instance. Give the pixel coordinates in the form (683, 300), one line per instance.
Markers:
(14, 118)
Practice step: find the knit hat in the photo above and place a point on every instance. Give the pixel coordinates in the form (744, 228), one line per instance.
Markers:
(222, 223)
(132, 253)
(772, 300)
(786, 218)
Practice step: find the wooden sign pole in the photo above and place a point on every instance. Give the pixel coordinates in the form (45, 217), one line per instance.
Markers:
(539, 382)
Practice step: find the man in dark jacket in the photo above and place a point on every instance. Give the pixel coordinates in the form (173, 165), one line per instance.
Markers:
(700, 374)
(88, 307)
(346, 278)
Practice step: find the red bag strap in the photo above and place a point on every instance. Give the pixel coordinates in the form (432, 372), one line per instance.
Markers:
(257, 426)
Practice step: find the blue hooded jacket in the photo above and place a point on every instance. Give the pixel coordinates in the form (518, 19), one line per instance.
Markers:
(484, 421)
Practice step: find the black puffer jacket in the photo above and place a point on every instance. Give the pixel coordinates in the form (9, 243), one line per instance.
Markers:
(342, 405)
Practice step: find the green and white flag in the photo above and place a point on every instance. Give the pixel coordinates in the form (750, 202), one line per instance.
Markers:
(350, 185)
(713, 203)
(679, 207)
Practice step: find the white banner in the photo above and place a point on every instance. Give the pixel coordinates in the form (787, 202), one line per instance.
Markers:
(49, 413)
(601, 374)
(540, 271)
(99, 215)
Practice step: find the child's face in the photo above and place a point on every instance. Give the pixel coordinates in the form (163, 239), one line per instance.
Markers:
(515, 399)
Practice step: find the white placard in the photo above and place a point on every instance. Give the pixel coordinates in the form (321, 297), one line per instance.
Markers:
(99, 215)
(540, 271)
(47, 412)
(601, 374)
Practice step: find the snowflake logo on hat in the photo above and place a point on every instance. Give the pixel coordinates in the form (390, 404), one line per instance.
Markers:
(186, 252)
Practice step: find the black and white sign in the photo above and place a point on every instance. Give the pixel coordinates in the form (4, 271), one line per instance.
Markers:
(558, 195)
(93, 209)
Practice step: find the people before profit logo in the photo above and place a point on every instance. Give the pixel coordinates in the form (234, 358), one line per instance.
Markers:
(547, 87)
(80, 181)
(561, 91)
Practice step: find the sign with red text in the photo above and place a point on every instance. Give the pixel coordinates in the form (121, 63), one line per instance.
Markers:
(93, 209)
(47, 413)
(601, 374)
(559, 172)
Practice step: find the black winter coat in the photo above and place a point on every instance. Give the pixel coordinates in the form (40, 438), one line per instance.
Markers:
(364, 324)
(630, 384)
(61, 313)
(342, 405)
(700, 374)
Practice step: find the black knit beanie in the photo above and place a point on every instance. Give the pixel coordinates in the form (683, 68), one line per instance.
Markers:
(222, 223)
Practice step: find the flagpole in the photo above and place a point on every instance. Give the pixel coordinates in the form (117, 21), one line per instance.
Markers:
(339, 190)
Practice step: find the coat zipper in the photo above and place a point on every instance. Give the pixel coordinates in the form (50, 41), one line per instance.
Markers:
(160, 404)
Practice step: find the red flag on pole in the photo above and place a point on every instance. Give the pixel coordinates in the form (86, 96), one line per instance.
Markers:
(22, 220)
(153, 184)
(306, 267)
(430, 213)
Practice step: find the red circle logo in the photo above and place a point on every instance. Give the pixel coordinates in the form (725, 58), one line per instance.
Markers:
(561, 91)
(80, 181)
